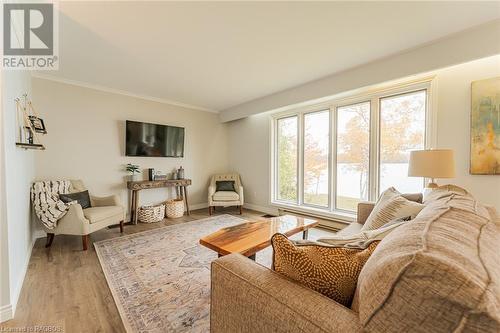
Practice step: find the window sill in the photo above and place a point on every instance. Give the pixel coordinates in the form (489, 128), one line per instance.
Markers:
(337, 216)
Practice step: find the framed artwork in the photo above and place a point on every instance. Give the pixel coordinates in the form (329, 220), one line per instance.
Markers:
(38, 124)
(485, 127)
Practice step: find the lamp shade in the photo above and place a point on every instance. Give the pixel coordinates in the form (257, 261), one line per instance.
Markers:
(434, 163)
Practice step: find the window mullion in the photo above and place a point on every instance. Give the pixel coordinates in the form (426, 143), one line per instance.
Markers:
(373, 180)
(300, 160)
(333, 158)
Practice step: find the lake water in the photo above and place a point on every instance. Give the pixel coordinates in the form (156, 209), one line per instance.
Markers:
(392, 174)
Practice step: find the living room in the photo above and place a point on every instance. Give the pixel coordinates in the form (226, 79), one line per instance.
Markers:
(286, 133)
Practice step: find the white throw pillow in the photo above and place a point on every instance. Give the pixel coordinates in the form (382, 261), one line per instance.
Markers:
(391, 205)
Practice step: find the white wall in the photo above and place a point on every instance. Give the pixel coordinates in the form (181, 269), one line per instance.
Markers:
(5, 307)
(454, 106)
(250, 156)
(20, 172)
(86, 140)
(249, 137)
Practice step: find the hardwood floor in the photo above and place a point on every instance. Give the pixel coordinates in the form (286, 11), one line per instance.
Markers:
(65, 288)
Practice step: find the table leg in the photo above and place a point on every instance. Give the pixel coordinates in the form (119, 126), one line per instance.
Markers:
(305, 233)
(136, 206)
(252, 257)
(132, 209)
(186, 200)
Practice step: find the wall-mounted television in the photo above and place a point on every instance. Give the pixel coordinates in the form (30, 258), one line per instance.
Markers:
(145, 139)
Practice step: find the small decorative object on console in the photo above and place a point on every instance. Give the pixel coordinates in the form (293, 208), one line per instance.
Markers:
(134, 171)
(161, 177)
(151, 174)
(180, 173)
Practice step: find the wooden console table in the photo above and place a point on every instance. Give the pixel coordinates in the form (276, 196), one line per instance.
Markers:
(136, 186)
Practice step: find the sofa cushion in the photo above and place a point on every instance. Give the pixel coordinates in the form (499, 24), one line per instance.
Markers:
(391, 205)
(96, 214)
(226, 196)
(332, 271)
(437, 273)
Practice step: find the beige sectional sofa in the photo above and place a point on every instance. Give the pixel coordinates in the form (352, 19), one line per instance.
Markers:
(437, 273)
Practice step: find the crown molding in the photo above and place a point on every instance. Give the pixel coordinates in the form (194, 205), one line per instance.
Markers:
(120, 92)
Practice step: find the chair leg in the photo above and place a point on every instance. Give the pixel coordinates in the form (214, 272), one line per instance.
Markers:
(121, 227)
(241, 209)
(50, 238)
(85, 241)
(209, 210)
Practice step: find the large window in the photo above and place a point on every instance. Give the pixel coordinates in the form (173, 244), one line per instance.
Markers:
(316, 155)
(287, 142)
(349, 151)
(402, 128)
(353, 155)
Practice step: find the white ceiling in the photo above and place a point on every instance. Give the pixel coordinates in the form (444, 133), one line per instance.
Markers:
(218, 55)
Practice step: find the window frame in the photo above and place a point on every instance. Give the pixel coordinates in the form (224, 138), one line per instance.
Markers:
(276, 171)
(373, 95)
(301, 179)
(379, 126)
(336, 112)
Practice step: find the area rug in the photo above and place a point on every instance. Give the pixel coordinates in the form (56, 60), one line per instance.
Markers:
(160, 279)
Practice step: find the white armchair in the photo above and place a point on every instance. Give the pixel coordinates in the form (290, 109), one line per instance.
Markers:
(225, 198)
(105, 211)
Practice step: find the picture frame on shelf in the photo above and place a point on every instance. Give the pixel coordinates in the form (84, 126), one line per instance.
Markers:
(38, 124)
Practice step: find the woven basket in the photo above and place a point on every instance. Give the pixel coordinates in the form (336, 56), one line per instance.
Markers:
(151, 214)
(175, 208)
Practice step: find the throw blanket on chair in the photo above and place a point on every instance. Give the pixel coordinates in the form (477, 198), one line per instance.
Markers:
(45, 198)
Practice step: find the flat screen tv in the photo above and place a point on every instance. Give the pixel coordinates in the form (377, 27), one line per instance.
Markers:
(144, 139)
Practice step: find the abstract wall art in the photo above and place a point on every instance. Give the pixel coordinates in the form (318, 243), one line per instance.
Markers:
(485, 127)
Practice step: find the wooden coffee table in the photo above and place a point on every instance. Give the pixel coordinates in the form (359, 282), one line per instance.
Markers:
(251, 237)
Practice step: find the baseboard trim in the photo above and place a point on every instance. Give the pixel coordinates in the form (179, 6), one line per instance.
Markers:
(6, 313)
(39, 234)
(198, 206)
(17, 292)
(263, 209)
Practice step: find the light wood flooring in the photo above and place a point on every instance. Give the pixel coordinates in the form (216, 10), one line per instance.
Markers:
(65, 288)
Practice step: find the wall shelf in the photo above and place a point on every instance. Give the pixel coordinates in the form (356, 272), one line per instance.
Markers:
(30, 146)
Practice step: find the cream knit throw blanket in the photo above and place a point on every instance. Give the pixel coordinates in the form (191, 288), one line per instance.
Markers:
(45, 198)
(360, 240)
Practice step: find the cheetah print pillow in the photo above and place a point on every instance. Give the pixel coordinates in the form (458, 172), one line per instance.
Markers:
(332, 271)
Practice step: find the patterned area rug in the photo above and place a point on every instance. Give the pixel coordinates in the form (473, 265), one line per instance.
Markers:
(160, 279)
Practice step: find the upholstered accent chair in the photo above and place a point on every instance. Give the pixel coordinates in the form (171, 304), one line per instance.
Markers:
(104, 211)
(225, 198)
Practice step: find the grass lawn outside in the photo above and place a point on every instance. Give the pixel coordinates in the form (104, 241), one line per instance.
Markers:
(344, 203)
